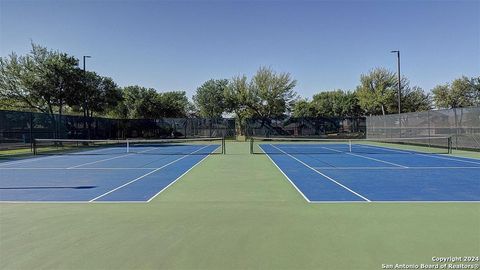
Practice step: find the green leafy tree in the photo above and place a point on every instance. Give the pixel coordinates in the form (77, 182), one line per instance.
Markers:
(270, 95)
(378, 94)
(335, 104)
(137, 102)
(303, 108)
(460, 93)
(146, 103)
(326, 104)
(237, 96)
(475, 84)
(42, 80)
(98, 94)
(329, 104)
(173, 104)
(413, 100)
(267, 95)
(376, 91)
(210, 98)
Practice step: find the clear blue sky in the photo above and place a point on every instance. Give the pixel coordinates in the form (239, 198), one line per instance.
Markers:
(325, 45)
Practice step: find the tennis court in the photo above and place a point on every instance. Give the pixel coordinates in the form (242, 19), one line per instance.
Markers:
(239, 201)
(102, 170)
(413, 169)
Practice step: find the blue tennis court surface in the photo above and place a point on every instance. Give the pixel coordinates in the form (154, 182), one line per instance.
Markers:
(374, 173)
(112, 176)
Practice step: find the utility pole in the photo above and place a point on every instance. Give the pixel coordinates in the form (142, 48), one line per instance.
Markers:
(399, 82)
(85, 97)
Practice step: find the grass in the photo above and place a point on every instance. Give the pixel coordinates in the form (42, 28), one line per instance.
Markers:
(20, 152)
(234, 212)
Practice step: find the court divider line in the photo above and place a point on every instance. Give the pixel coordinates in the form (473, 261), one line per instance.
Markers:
(322, 174)
(375, 159)
(421, 154)
(286, 176)
(178, 178)
(145, 175)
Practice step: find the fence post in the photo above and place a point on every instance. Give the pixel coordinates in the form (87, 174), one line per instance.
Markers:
(251, 145)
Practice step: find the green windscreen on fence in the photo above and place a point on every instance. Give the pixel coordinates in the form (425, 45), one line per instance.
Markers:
(19, 129)
(353, 127)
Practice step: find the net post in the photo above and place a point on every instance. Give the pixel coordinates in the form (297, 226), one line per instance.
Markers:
(128, 146)
(224, 151)
(449, 145)
(350, 146)
(251, 145)
(34, 144)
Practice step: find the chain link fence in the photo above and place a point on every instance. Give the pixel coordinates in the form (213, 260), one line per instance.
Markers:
(462, 124)
(19, 129)
(307, 127)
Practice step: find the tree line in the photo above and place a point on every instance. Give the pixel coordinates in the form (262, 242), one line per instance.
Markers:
(52, 82)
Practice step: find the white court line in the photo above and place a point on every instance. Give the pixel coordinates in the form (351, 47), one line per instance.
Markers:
(391, 168)
(284, 174)
(322, 174)
(42, 158)
(102, 160)
(95, 168)
(398, 202)
(178, 178)
(93, 162)
(426, 155)
(140, 177)
(69, 202)
(375, 159)
(313, 202)
(442, 157)
(27, 160)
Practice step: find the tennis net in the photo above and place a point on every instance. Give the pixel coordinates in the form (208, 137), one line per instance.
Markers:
(196, 146)
(436, 145)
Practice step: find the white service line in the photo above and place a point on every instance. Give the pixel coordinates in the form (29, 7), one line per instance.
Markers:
(426, 155)
(43, 158)
(140, 177)
(178, 178)
(102, 160)
(322, 174)
(27, 160)
(375, 159)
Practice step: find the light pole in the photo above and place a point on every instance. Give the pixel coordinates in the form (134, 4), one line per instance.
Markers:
(85, 96)
(399, 83)
(85, 57)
